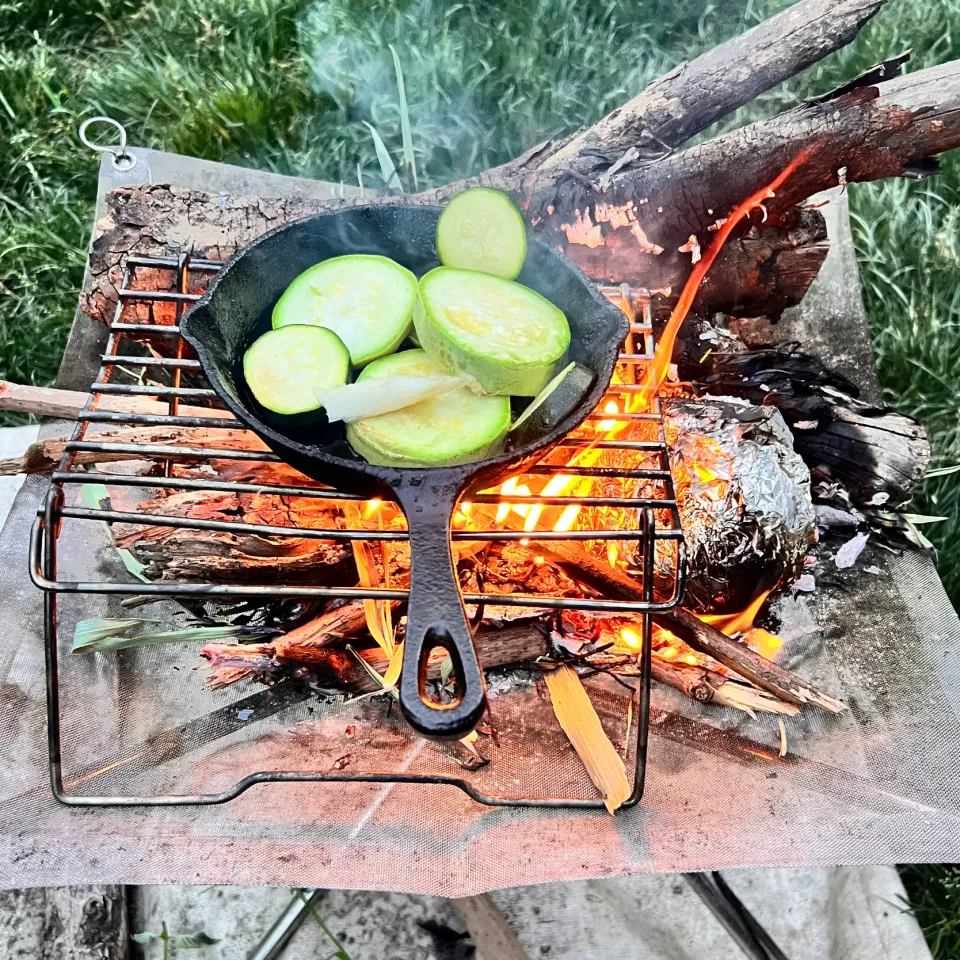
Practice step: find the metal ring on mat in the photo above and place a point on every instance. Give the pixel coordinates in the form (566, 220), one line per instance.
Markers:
(121, 158)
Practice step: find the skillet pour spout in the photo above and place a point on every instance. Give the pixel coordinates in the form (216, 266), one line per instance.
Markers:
(237, 308)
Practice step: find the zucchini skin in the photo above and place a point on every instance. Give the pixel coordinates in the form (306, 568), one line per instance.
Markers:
(376, 456)
(492, 375)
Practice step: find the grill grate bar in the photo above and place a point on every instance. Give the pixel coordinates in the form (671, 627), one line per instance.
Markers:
(338, 534)
(137, 390)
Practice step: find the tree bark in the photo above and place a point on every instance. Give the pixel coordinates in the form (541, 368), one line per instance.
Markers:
(64, 923)
(191, 553)
(693, 95)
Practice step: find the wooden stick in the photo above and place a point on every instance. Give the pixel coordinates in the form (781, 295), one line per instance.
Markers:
(693, 631)
(44, 455)
(706, 686)
(489, 929)
(68, 404)
(693, 95)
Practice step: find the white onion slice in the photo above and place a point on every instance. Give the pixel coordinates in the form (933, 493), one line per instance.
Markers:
(379, 395)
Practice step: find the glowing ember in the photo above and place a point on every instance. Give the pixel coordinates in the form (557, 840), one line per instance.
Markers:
(631, 638)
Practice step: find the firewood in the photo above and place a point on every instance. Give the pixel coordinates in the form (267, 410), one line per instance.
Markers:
(185, 553)
(872, 450)
(693, 95)
(69, 404)
(693, 631)
(707, 686)
(313, 646)
(599, 193)
(44, 455)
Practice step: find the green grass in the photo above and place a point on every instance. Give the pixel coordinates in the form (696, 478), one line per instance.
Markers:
(288, 85)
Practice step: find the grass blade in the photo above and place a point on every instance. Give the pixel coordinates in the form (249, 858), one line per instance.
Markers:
(101, 636)
(88, 635)
(387, 168)
(942, 471)
(409, 160)
(93, 495)
(579, 721)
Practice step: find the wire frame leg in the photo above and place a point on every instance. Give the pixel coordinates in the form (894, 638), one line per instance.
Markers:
(278, 937)
(737, 920)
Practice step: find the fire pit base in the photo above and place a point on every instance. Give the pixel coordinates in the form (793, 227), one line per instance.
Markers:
(876, 785)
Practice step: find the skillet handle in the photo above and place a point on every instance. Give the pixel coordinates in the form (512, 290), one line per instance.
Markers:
(436, 617)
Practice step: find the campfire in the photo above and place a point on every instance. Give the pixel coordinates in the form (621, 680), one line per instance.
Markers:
(647, 545)
(551, 563)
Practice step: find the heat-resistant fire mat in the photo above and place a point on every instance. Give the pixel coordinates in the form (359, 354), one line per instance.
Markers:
(606, 487)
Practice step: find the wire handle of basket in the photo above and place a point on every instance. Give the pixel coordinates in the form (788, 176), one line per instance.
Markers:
(121, 158)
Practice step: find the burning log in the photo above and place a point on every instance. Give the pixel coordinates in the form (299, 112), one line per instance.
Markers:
(871, 450)
(617, 198)
(337, 668)
(521, 644)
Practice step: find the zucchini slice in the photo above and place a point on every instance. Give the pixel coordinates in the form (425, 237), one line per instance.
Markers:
(481, 229)
(367, 301)
(502, 337)
(457, 427)
(284, 367)
(564, 392)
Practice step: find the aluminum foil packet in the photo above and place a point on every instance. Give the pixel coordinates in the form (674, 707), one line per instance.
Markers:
(744, 498)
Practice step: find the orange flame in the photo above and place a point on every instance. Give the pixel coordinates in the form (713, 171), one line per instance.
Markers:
(734, 623)
(656, 372)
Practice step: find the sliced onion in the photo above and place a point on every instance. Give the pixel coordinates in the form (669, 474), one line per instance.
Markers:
(377, 396)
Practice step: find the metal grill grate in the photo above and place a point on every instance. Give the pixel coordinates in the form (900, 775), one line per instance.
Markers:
(633, 473)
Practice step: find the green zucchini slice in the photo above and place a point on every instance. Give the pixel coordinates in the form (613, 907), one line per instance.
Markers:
(457, 427)
(481, 229)
(503, 337)
(558, 399)
(367, 301)
(284, 367)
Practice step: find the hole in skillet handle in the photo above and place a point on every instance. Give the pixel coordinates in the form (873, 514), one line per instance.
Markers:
(436, 616)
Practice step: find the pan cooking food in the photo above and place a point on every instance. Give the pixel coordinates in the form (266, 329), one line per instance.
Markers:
(463, 344)
(483, 338)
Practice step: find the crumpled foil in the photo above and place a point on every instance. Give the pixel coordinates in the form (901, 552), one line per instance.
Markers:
(744, 498)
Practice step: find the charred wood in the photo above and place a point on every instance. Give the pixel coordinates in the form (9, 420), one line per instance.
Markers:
(767, 675)
(871, 450)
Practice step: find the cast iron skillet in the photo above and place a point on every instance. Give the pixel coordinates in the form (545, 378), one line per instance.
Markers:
(236, 309)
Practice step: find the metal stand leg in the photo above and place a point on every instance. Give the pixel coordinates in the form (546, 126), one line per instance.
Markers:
(742, 926)
(271, 947)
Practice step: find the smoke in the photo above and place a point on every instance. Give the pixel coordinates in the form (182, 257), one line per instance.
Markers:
(484, 80)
